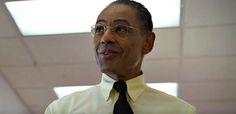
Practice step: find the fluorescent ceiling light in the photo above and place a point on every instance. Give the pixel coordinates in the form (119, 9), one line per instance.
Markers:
(44, 17)
(170, 88)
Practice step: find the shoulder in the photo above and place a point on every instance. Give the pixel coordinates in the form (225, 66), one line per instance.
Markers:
(159, 98)
(76, 95)
(160, 95)
(67, 103)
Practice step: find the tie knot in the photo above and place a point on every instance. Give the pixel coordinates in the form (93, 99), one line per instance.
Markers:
(120, 86)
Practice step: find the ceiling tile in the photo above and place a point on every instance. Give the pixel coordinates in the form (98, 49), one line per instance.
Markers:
(37, 96)
(10, 102)
(61, 49)
(213, 90)
(210, 41)
(7, 28)
(161, 70)
(50, 76)
(209, 69)
(209, 12)
(215, 107)
(71, 75)
(37, 109)
(13, 52)
(25, 77)
(167, 44)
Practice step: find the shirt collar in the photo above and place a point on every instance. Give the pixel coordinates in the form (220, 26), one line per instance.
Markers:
(106, 86)
(135, 86)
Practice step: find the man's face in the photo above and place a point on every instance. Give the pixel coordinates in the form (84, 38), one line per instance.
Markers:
(115, 54)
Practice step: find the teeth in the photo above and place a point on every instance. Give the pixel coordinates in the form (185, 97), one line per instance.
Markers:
(106, 53)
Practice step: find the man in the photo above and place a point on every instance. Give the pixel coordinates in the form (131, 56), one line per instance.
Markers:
(122, 36)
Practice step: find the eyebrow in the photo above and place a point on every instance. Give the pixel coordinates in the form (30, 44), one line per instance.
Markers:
(101, 21)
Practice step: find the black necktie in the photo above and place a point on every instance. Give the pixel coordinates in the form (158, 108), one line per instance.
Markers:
(121, 106)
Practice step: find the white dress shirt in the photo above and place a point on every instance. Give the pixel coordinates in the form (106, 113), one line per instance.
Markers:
(101, 98)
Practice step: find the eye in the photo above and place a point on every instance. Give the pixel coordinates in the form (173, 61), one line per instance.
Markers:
(99, 29)
(121, 29)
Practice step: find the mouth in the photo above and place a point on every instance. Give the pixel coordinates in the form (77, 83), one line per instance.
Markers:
(108, 54)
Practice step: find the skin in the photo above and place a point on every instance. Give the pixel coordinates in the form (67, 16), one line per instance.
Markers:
(121, 57)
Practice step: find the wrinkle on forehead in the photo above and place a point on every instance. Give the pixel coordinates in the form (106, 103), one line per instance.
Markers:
(118, 14)
(113, 22)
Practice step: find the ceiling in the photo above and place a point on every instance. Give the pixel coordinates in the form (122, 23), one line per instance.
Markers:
(33, 65)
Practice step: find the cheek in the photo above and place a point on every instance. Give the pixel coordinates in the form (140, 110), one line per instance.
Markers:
(135, 45)
(126, 45)
(129, 48)
(96, 43)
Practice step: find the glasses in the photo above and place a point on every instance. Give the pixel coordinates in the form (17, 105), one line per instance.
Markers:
(120, 30)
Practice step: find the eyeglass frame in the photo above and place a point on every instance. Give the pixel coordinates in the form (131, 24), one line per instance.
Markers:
(113, 29)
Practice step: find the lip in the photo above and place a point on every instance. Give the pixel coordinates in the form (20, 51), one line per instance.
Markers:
(108, 54)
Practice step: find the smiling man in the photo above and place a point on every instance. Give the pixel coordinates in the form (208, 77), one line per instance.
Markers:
(122, 37)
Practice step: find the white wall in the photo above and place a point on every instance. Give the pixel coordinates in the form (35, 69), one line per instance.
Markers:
(9, 101)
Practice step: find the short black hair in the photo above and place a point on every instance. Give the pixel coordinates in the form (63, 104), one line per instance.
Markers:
(142, 12)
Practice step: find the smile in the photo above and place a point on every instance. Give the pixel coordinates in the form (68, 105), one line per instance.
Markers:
(108, 54)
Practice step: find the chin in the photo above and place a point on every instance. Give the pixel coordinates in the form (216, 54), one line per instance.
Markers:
(107, 70)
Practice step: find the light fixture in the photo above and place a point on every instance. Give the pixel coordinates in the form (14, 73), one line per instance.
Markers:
(45, 17)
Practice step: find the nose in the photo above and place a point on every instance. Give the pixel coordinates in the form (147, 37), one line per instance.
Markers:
(108, 37)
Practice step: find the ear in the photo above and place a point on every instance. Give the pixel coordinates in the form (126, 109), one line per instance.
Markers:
(148, 42)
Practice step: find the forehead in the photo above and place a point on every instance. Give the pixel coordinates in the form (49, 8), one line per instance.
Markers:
(118, 14)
